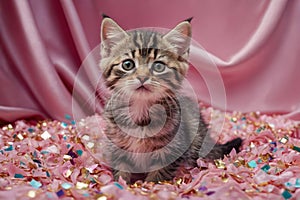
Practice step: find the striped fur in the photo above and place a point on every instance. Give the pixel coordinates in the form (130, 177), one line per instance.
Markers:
(151, 128)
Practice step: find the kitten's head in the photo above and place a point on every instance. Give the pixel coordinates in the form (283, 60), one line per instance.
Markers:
(144, 63)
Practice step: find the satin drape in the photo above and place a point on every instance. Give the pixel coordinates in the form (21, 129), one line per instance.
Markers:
(255, 45)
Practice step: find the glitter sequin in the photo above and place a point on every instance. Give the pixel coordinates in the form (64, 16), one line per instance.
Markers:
(252, 164)
(35, 184)
(46, 135)
(286, 194)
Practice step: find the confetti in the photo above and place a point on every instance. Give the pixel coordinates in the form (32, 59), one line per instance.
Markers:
(46, 135)
(284, 140)
(79, 152)
(60, 193)
(288, 184)
(20, 136)
(286, 194)
(31, 194)
(233, 119)
(19, 176)
(252, 164)
(53, 149)
(64, 124)
(86, 194)
(266, 168)
(118, 185)
(85, 137)
(220, 164)
(252, 145)
(90, 145)
(67, 173)
(10, 127)
(67, 157)
(102, 198)
(202, 188)
(35, 184)
(210, 193)
(31, 130)
(81, 185)
(54, 160)
(10, 148)
(68, 117)
(66, 186)
(296, 148)
(297, 183)
(72, 154)
(225, 178)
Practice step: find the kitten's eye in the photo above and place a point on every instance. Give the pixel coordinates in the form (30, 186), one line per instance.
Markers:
(158, 66)
(128, 65)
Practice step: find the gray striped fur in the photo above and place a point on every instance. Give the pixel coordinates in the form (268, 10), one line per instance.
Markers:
(154, 130)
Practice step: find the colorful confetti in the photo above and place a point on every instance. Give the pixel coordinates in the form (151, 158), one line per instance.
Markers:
(286, 194)
(46, 135)
(266, 168)
(66, 186)
(252, 164)
(35, 184)
(297, 184)
(60, 193)
(19, 176)
(63, 160)
(296, 148)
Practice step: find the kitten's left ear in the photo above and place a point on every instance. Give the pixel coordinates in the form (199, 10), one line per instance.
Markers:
(111, 32)
(180, 37)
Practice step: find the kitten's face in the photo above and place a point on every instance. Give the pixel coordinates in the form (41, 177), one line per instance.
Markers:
(144, 64)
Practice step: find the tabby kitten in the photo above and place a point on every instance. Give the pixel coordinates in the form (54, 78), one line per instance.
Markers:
(152, 129)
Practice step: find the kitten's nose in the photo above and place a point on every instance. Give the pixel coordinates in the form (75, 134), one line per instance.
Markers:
(142, 79)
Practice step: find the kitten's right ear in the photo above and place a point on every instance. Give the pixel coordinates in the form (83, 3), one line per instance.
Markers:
(111, 32)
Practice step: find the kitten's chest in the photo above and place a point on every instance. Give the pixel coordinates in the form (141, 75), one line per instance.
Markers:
(142, 118)
(142, 127)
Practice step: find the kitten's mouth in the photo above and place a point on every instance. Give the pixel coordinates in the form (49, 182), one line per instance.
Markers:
(142, 88)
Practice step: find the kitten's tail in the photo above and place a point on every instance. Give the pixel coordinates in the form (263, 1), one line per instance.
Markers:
(220, 150)
(235, 143)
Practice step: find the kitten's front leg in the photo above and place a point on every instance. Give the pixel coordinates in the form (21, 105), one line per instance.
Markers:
(164, 174)
(126, 176)
(121, 167)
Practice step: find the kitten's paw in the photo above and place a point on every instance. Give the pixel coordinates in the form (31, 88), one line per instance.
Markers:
(126, 176)
(157, 176)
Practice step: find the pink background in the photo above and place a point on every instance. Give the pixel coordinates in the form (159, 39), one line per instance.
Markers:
(255, 44)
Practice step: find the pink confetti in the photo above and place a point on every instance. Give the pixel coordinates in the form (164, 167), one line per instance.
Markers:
(73, 155)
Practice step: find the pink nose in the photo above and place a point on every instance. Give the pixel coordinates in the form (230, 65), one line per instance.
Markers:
(142, 79)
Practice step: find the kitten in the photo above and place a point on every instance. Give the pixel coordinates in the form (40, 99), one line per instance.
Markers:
(151, 129)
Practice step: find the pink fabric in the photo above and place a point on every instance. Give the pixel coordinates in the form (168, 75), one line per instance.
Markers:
(255, 45)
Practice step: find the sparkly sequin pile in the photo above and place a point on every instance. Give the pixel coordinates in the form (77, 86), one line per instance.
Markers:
(63, 160)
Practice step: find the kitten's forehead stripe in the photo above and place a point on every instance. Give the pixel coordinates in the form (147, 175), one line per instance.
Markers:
(155, 53)
(143, 44)
(154, 41)
(144, 52)
(149, 51)
(133, 53)
(135, 36)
